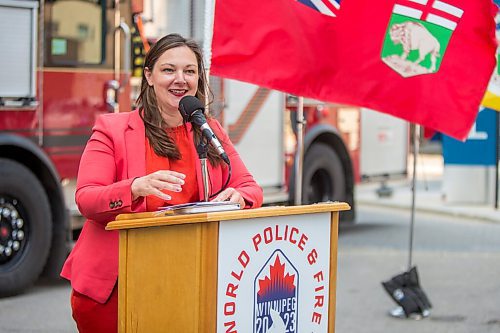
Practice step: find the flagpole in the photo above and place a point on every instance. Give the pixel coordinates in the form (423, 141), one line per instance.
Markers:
(405, 288)
(416, 147)
(299, 155)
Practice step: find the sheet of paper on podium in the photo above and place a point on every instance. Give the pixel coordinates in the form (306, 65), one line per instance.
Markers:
(200, 207)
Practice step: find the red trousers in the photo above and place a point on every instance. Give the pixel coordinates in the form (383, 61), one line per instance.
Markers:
(93, 317)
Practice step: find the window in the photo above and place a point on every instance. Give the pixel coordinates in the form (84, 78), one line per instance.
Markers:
(75, 31)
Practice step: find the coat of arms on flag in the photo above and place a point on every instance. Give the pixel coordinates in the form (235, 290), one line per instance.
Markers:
(326, 7)
(418, 34)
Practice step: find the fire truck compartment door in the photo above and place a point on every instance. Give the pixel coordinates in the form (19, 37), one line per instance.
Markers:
(384, 145)
(253, 117)
(18, 24)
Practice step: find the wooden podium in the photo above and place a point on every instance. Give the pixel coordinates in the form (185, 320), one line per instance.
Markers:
(169, 266)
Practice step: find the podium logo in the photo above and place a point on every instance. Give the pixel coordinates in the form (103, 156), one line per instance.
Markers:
(276, 296)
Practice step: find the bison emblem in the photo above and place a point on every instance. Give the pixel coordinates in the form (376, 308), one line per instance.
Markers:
(413, 36)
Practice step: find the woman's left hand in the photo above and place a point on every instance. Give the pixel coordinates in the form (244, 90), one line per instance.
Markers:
(231, 195)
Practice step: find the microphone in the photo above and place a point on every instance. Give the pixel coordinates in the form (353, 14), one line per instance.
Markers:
(192, 110)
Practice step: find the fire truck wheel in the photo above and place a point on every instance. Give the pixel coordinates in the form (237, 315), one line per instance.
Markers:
(25, 227)
(323, 175)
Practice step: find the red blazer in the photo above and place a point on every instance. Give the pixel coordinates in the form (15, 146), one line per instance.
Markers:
(113, 157)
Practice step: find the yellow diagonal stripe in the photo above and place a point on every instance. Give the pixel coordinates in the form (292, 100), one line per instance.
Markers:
(491, 101)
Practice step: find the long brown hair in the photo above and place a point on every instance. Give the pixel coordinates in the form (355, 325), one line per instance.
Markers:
(148, 105)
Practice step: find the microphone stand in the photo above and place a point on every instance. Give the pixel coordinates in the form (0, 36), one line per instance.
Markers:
(202, 150)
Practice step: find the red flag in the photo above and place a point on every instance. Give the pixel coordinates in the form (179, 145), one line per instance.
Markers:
(426, 61)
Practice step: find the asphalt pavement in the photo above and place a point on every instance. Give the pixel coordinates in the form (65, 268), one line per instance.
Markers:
(461, 279)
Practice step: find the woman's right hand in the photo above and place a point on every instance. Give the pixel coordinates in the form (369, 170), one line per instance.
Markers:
(155, 182)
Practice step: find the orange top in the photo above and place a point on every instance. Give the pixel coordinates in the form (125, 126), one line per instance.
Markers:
(185, 165)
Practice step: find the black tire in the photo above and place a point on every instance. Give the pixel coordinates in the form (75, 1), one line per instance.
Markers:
(323, 176)
(25, 218)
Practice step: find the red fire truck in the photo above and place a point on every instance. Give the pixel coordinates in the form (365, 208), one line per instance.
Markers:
(65, 62)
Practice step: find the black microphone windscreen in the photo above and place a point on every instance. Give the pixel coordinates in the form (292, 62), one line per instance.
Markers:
(188, 105)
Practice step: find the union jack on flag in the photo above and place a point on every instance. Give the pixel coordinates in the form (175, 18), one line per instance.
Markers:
(326, 7)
